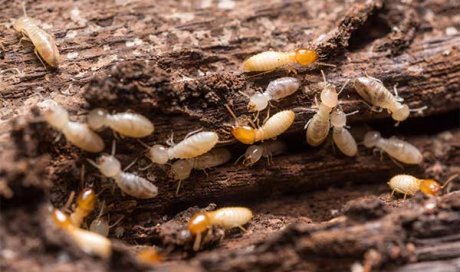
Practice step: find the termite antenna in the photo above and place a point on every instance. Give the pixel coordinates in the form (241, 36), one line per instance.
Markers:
(117, 222)
(239, 158)
(93, 163)
(130, 165)
(419, 110)
(301, 109)
(326, 64)
(231, 112)
(24, 8)
(451, 178)
(244, 94)
(351, 113)
(324, 76)
(343, 87)
(144, 144)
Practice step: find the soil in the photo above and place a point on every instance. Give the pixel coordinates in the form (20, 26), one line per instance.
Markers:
(178, 63)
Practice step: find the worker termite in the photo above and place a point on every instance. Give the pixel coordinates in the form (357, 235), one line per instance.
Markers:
(374, 92)
(341, 136)
(126, 123)
(101, 225)
(45, 45)
(397, 149)
(276, 90)
(89, 242)
(129, 183)
(227, 218)
(77, 133)
(191, 147)
(271, 60)
(265, 149)
(318, 126)
(409, 185)
(85, 205)
(272, 128)
(181, 169)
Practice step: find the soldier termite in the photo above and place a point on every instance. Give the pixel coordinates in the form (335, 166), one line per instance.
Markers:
(129, 183)
(271, 60)
(265, 149)
(276, 90)
(85, 205)
(89, 242)
(181, 169)
(191, 147)
(272, 128)
(318, 126)
(374, 92)
(45, 45)
(340, 134)
(227, 218)
(127, 124)
(409, 185)
(77, 133)
(397, 149)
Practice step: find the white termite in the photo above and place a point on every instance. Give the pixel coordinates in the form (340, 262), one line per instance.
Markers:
(340, 134)
(78, 134)
(395, 148)
(126, 123)
(266, 149)
(191, 147)
(276, 90)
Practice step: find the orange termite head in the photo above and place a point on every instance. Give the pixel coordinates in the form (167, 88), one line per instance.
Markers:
(244, 134)
(149, 256)
(430, 187)
(199, 223)
(86, 200)
(305, 56)
(61, 219)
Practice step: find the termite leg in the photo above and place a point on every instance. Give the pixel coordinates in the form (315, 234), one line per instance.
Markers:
(268, 115)
(40, 58)
(205, 172)
(397, 163)
(130, 165)
(178, 187)
(306, 125)
(66, 207)
(397, 97)
(197, 243)
(392, 193)
(58, 137)
(146, 167)
(170, 140)
(405, 196)
(243, 229)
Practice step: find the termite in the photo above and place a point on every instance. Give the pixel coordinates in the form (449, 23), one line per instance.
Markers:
(45, 45)
(78, 134)
(271, 60)
(101, 225)
(398, 149)
(276, 90)
(340, 134)
(374, 92)
(149, 256)
(89, 242)
(181, 169)
(191, 147)
(129, 183)
(127, 124)
(227, 218)
(272, 128)
(409, 185)
(85, 205)
(266, 149)
(318, 126)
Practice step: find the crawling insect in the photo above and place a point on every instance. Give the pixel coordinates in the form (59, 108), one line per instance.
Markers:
(45, 45)
(272, 128)
(227, 218)
(374, 92)
(85, 205)
(409, 185)
(341, 136)
(271, 60)
(129, 183)
(149, 256)
(191, 147)
(128, 124)
(276, 90)
(101, 225)
(398, 149)
(318, 126)
(89, 242)
(265, 149)
(77, 133)
(181, 169)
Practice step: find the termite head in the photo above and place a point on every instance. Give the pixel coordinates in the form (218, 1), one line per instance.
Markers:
(158, 154)
(252, 155)
(401, 113)
(86, 200)
(244, 134)
(61, 219)
(430, 187)
(97, 118)
(108, 165)
(329, 96)
(181, 169)
(371, 138)
(149, 256)
(305, 56)
(199, 223)
(100, 226)
(338, 118)
(54, 113)
(258, 102)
